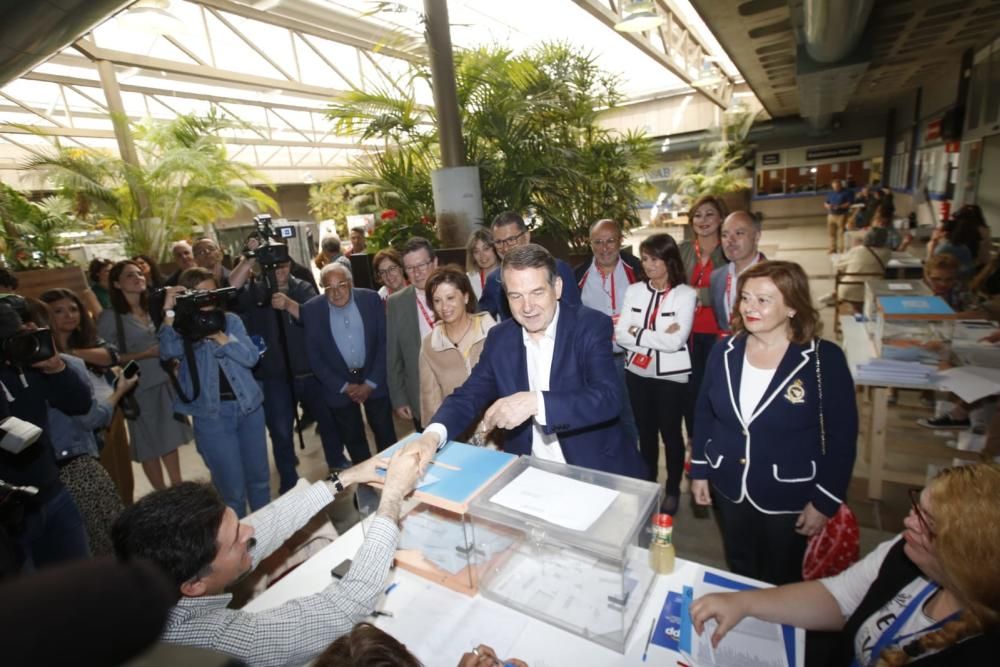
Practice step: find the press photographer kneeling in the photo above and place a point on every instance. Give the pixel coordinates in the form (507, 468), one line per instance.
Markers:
(46, 527)
(216, 387)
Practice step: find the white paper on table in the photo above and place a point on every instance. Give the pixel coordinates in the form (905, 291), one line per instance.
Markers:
(971, 383)
(559, 500)
(749, 642)
(901, 286)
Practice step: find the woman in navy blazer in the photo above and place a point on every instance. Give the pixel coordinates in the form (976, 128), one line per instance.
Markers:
(776, 426)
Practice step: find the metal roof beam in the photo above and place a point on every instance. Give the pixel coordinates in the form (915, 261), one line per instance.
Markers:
(678, 47)
(201, 72)
(323, 22)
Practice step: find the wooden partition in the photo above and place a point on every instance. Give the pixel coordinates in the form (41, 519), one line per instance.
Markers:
(33, 283)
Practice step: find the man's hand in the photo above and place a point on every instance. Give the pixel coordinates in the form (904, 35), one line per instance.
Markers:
(423, 448)
(220, 337)
(700, 492)
(170, 298)
(512, 411)
(404, 412)
(400, 479)
(484, 656)
(359, 393)
(53, 364)
(810, 521)
(364, 472)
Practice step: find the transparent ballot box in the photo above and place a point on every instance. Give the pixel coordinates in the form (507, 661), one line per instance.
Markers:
(435, 535)
(876, 288)
(913, 328)
(564, 544)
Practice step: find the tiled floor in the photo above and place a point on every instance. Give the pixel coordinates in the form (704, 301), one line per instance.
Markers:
(800, 240)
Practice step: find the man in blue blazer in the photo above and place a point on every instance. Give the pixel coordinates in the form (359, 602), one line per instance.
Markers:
(509, 231)
(740, 238)
(345, 344)
(547, 376)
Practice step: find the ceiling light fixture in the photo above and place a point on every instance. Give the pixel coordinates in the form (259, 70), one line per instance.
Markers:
(640, 16)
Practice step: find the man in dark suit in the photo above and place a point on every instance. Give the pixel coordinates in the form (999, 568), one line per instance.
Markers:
(345, 344)
(509, 232)
(740, 238)
(547, 376)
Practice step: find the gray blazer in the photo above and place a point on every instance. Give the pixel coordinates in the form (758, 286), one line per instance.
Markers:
(403, 339)
(717, 286)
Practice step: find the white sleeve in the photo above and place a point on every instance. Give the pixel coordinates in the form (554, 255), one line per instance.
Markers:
(850, 586)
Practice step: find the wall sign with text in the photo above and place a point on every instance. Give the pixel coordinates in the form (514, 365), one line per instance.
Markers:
(770, 158)
(833, 151)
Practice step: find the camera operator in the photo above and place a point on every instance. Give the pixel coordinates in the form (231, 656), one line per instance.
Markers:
(217, 388)
(52, 529)
(284, 386)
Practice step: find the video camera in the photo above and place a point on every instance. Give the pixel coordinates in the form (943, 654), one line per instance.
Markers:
(269, 253)
(23, 348)
(194, 323)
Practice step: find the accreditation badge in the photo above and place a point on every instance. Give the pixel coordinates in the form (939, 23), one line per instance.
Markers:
(641, 360)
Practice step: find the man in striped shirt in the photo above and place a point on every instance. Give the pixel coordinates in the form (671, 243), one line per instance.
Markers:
(190, 533)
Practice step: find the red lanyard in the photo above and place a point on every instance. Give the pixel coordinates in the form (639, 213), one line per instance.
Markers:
(660, 298)
(427, 317)
(614, 301)
(702, 269)
(482, 279)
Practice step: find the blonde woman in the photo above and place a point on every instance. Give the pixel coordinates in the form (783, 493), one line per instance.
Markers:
(931, 596)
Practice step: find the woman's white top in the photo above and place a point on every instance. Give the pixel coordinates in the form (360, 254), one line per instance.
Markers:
(653, 313)
(753, 384)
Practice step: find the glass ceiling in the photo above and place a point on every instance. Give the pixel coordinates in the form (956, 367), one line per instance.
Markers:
(274, 64)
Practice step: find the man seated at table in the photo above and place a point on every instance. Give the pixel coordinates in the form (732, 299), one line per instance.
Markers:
(190, 533)
(547, 376)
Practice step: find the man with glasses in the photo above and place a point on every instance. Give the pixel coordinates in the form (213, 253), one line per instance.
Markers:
(602, 283)
(409, 319)
(208, 255)
(345, 345)
(509, 231)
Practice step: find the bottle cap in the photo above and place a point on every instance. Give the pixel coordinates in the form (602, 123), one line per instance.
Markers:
(664, 520)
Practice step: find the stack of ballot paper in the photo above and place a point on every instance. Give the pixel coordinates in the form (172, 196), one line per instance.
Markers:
(891, 371)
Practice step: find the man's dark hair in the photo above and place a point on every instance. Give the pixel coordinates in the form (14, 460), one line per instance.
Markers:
(7, 280)
(530, 256)
(331, 244)
(176, 528)
(418, 243)
(509, 218)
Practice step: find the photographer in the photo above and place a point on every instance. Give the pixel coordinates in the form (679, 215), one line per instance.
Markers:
(217, 388)
(52, 529)
(285, 341)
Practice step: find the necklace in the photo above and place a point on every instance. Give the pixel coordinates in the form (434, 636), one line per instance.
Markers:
(454, 341)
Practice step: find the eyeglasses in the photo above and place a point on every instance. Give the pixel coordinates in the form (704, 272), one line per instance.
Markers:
(509, 241)
(201, 252)
(385, 273)
(921, 517)
(414, 268)
(604, 243)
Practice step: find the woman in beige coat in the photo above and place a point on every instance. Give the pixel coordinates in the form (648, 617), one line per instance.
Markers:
(452, 348)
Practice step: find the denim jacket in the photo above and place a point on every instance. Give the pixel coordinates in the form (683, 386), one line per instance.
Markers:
(73, 436)
(236, 359)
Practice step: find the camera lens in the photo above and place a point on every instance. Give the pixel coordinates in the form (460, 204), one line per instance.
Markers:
(22, 347)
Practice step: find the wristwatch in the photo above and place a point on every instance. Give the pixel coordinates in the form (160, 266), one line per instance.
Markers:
(169, 313)
(334, 478)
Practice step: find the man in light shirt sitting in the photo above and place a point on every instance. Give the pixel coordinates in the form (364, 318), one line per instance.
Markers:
(547, 376)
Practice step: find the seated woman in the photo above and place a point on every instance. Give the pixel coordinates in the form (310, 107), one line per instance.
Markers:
(870, 257)
(930, 596)
(452, 348)
(369, 646)
(217, 389)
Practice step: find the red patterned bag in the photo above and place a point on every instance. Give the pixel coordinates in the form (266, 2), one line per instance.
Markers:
(833, 549)
(838, 546)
